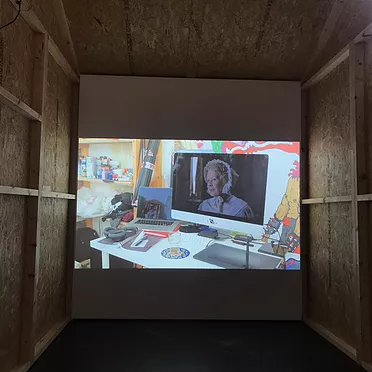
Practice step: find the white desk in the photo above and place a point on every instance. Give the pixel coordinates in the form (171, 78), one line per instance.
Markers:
(153, 259)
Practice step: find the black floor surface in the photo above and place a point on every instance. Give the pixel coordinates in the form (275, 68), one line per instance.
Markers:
(191, 346)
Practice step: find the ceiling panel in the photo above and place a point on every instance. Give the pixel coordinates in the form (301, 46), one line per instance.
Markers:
(250, 39)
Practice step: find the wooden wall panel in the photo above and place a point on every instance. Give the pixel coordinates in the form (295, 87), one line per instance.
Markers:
(329, 135)
(159, 38)
(57, 129)
(52, 267)
(17, 48)
(368, 112)
(14, 146)
(12, 233)
(63, 132)
(318, 267)
(15, 54)
(50, 126)
(107, 22)
(15, 76)
(47, 13)
(331, 288)
(331, 272)
(213, 39)
(368, 137)
(16, 67)
(355, 16)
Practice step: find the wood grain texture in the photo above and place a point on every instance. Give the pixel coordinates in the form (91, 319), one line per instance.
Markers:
(12, 231)
(159, 32)
(196, 38)
(355, 16)
(368, 114)
(98, 31)
(327, 68)
(14, 145)
(32, 239)
(361, 222)
(51, 285)
(57, 129)
(15, 62)
(331, 282)
(17, 105)
(15, 76)
(329, 135)
(46, 12)
(64, 26)
(63, 133)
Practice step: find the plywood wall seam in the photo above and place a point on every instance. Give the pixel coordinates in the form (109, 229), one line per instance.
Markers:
(195, 22)
(261, 32)
(128, 33)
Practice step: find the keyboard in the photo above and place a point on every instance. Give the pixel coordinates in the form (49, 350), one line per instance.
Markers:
(194, 239)
(154, 222)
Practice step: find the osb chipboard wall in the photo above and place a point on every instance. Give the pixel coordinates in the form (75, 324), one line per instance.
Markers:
(48, 11)
(15, 75)
(355, 16)
(57, 129)
(51, 287)
(331, 289)
(329, 135)
(12, 230)
(14, 144)
(15, 62)
(52, 265)
(177, 38)
(331, 275)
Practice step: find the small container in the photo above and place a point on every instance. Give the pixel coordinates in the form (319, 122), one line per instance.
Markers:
(174, 239)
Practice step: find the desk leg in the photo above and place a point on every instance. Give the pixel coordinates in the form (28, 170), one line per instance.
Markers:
(105, 260)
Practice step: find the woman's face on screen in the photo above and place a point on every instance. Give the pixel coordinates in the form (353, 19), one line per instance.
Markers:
(214, 183)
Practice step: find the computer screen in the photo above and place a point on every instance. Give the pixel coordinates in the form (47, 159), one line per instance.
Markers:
(229, 186)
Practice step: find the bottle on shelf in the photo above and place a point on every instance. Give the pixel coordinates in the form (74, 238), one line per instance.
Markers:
(83, 166)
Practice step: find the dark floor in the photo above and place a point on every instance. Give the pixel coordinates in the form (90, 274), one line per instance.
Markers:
(191, 346)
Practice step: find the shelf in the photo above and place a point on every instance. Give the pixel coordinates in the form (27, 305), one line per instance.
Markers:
(97, 180)
(104, 140)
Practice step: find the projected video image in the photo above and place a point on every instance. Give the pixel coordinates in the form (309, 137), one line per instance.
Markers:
(187, 204)
(230, 185)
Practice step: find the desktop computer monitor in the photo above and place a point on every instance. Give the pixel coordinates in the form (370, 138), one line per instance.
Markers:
(224, 191)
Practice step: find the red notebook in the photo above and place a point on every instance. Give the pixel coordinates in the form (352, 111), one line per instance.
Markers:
(151, 239)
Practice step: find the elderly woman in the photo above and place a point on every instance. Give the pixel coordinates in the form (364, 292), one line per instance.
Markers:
(219, 177)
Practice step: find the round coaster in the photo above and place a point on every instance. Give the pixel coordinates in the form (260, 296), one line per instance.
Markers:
(175, 253)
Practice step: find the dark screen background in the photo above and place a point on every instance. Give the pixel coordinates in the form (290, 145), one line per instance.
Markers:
(251, 185)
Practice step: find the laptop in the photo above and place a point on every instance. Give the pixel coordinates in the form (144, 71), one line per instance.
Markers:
(154, 210)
